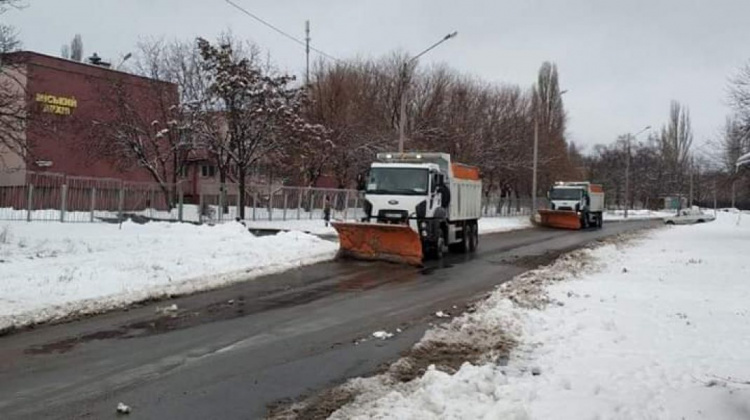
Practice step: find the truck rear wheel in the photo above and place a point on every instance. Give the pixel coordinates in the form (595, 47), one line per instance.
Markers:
(474, 237)
(465, 243)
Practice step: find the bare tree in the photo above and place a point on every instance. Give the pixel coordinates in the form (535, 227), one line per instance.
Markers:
(739, 94)
(734, 142)
(13, 115)
(9, 40)
(65, 51)
(259, 109)
(675, 141)
(76, 48)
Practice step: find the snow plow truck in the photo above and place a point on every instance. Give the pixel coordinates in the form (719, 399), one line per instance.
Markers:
(574, 205)
(415, 205)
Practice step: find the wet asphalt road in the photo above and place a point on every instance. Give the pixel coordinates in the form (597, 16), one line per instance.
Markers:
(230, 353)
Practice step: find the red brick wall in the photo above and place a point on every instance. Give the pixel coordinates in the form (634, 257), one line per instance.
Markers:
(66, 140)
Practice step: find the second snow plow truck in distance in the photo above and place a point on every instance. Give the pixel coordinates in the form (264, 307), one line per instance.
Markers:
(415, 205)
(574, 205)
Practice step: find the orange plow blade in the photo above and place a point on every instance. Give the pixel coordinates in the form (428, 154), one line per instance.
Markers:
(560, 219)
(376, 241)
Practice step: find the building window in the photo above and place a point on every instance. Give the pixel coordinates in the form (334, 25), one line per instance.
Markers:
(183, 172)
(208, 171)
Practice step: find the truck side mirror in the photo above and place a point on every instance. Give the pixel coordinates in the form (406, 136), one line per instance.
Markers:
(360, 182)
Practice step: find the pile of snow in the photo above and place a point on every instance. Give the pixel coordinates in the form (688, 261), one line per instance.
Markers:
(503, 224)
(659, 329)
(314, 226)
(52, 270)
(637, 214)
(317, 226)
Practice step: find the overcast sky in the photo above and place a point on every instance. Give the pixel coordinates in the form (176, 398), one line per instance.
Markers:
(621, 61)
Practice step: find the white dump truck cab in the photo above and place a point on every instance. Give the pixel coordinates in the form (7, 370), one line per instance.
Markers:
(583, 198)
(404, 192)
(430, 194)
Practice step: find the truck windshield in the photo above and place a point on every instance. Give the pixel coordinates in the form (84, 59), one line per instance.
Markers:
(397, 181)
(568, 194)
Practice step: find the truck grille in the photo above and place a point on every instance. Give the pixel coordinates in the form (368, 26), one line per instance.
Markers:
(392, 216)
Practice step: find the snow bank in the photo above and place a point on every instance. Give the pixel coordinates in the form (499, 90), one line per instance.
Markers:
(53, 270)
(314, 226)
(612, 215)
(659, 330)
(503, 224)
(317, 226)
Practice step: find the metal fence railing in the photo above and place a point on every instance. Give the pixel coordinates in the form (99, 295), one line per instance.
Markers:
(505, 206)
(56, 197)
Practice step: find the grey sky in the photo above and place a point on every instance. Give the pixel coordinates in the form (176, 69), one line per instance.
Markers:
(622, 61)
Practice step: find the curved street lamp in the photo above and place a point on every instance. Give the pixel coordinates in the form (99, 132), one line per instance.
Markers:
(405, 73)
(627, 169)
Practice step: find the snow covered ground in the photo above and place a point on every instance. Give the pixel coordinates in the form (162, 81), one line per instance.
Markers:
(52, 270)
(612, 215)
(655, 328)
(503, 224)
(317, 226)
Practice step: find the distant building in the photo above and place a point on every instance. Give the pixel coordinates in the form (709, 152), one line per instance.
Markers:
(64, 100)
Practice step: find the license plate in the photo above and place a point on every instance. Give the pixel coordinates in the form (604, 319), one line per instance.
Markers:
(393, 215)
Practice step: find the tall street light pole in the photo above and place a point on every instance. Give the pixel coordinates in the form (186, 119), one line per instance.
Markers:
(405, 75)
(536, 147)
(627, 169)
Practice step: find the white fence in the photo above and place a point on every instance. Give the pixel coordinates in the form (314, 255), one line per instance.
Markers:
(55, 197)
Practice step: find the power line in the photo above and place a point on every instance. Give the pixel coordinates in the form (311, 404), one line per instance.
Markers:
(281, 32)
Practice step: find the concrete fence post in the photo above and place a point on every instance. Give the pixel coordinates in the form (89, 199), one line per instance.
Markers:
(201, 210)
(346, 205)
(270, 205)
(121, 203)
(221, 205)
(255, 203)
(151, 204)
(285, 204)
(299, 203)
(270, 200)
(180, 204)
(29, 202)
(93, 204)
(312, 200)
(63, 201)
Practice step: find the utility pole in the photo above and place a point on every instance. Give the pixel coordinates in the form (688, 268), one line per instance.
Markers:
(733, 185)
(692, 171)
(402, 111)
(627, 178)
(536, 139)
(714, 195)
(307, 52)
(627, 168)
(402, 99)
(536, 155)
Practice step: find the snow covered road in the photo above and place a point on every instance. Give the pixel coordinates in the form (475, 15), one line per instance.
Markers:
(655, 328)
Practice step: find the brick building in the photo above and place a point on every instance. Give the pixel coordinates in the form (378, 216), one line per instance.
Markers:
(65, 100)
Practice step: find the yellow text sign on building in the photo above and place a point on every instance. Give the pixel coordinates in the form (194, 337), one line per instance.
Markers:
(60, 105)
